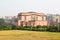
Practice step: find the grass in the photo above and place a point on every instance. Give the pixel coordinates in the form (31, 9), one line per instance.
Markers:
(28, 35)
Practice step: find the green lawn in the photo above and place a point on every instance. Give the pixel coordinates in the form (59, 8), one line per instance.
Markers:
(28, 35)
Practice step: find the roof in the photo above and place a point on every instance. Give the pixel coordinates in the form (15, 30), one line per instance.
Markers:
(30, 13)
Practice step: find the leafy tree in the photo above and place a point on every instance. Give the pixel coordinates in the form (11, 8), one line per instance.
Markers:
(14, 27)
(5, 27)
(58, 26)
(2, 21)
(52, 28)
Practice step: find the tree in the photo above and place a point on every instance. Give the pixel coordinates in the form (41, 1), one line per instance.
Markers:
(14, 27)
(52, 28)
(2, 21)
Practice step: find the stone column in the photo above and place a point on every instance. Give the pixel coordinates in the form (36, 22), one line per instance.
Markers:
(19, 22)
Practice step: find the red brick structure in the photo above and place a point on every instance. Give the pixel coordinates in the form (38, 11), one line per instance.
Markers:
(31, 18)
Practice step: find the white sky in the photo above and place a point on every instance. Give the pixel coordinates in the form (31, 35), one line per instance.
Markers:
(13, 7)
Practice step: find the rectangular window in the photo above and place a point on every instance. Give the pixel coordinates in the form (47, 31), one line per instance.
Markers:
(24, 18)
(21, 23)
(34, 17)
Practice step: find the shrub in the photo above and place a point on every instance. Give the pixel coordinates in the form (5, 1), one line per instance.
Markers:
(58, 28)
(14, 27)
(52, 29)
(5, 27)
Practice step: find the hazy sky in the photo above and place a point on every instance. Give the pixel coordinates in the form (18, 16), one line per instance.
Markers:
(13, 7)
